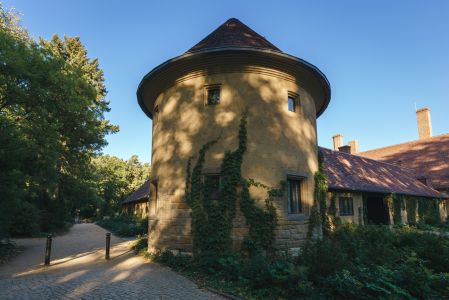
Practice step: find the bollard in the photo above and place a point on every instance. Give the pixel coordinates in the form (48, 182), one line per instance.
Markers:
(108, 245)
(48, 250)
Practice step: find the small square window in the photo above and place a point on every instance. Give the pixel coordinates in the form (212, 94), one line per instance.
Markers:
(213, 95)
(212, 185)
(294, 196)
(346, 206)
(291, 103)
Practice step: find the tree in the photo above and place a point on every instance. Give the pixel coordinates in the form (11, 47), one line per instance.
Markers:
(52, 105)
(117, 179)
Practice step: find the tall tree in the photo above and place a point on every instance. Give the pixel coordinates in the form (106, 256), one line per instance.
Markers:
(52, 105)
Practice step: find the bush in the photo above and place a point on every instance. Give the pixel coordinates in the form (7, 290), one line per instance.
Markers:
(379, 262)
(7, 249)
(26, 221)
(141, 245)
(125, 225)
(366, 262)
(176, 262)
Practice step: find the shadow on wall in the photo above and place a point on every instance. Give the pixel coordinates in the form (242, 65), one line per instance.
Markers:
(278, 140)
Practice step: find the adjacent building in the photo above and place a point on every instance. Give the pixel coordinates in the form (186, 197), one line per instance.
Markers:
(202, 94)
(137, 203)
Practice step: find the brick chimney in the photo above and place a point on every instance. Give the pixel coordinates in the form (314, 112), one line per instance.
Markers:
(338, 141)
(424, 124)
(354, 146)
(345, 149)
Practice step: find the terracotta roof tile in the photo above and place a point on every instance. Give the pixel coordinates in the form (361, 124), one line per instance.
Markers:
(141, 193)
(355, 173)
(427, 158)
(233, 33)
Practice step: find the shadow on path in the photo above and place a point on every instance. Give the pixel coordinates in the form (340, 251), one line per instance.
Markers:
(79, 270)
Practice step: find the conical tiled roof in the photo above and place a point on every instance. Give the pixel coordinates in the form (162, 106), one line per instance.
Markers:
(233, 34)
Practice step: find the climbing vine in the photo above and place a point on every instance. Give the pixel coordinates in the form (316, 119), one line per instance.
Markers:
(261, 222)
(212, 218)
(428, 211)
(395, 203)
(397, 209)
(202, 222)
(411, 204)
(319, 221)
(334, 220)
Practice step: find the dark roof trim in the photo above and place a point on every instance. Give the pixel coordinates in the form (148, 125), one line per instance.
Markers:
(223, 51)
(142, 193)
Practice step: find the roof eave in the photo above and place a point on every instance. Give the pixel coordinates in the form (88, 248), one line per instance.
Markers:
(324, 81)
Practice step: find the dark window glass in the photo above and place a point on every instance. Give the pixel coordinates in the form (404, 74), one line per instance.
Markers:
(294, 196)
(346, 206)
(291, 103)
(213, 96)
(212, 186)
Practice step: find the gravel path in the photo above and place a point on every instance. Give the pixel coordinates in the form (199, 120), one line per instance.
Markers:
(78, 271)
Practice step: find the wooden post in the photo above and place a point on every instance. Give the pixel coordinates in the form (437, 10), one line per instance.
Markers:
(48, 250)
(108, 245)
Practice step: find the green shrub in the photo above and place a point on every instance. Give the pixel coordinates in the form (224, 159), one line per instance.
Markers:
(125, 225)
(354, 262)
(176, 262)
(141, 245)
(26, 221)
(7, 249)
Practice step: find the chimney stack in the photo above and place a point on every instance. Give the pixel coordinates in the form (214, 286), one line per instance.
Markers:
(338, 141)
(424, 124)
(354, 146)
(345, 149)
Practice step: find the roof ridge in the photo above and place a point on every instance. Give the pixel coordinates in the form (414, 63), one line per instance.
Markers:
(358, 182)
(233, 33)
(405, 143)
(372, 159)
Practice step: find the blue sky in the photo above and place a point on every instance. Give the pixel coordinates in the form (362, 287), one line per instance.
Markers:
(381, 57)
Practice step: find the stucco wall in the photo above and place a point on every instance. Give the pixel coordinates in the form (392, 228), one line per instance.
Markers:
(357, 198)
(138, 209)
(279, 142)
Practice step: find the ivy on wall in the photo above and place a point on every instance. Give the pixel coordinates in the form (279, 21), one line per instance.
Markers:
(411, 204)
(334, 220)
(419, 209)
(212, 218)
(319, 222)
(395, 204)
(261, 222)
(428, 211)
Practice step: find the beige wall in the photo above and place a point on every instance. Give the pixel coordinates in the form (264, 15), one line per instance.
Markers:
(138, 209)
(279, 142)
(357, 200)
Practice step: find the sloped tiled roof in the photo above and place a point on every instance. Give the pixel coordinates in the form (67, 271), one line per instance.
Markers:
(428, 158)
(233, 34)
(355, 173)
(141, 193)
